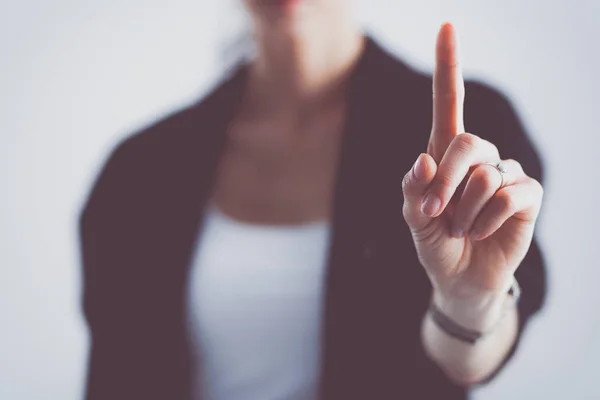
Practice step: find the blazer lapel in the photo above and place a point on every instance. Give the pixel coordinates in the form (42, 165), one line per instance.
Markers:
(182, 186)
(365, 265)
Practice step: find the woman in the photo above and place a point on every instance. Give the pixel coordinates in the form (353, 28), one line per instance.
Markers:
(262, 244)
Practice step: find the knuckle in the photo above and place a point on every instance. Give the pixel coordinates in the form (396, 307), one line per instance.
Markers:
(534, 186)
(493, 149)
(406, 180)
(515, 166)
(466, 142)
(506, 203)
(443, 181)
(484, 179)
(538, 188)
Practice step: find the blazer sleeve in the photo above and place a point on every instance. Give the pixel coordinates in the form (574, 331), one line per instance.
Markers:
(103, 238)
(492, 116)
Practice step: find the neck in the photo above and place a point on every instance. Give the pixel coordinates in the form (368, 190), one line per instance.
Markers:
(295, 69)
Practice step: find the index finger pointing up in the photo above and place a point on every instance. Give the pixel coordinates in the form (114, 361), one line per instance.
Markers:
(448, 93)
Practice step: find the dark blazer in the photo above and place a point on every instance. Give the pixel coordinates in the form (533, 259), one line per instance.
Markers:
(139, 226)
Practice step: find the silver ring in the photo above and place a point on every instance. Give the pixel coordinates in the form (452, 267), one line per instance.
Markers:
(502, 169)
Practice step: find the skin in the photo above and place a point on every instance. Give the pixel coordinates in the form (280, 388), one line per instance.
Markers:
(282, 160)
(281, 163)
(469, 241)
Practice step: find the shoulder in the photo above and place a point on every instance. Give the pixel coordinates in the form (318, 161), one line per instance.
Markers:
(131, 162)
(137, 160)
(187, 123)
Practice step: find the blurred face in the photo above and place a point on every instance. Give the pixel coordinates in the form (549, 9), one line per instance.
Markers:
(271, 14)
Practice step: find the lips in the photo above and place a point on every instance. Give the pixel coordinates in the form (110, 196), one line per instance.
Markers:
(282, 3)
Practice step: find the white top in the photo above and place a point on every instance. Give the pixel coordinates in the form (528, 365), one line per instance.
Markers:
(256, 299)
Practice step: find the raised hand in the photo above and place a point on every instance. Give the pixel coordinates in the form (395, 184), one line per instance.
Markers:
(471, 214)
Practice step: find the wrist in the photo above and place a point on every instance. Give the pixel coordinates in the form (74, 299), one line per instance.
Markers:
(472, 309)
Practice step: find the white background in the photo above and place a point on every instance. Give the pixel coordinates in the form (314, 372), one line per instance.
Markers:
(78, 75)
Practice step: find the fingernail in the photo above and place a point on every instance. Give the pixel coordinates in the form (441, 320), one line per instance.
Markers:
(431, 205)
(476, 235)
(419, 168)
(457, 233)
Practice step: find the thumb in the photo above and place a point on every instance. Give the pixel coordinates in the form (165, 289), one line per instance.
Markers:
(414, 186)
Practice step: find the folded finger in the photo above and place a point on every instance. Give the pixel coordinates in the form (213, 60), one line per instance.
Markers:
(521, 200)
(465, 152)
(482, 184)
(414, 185)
